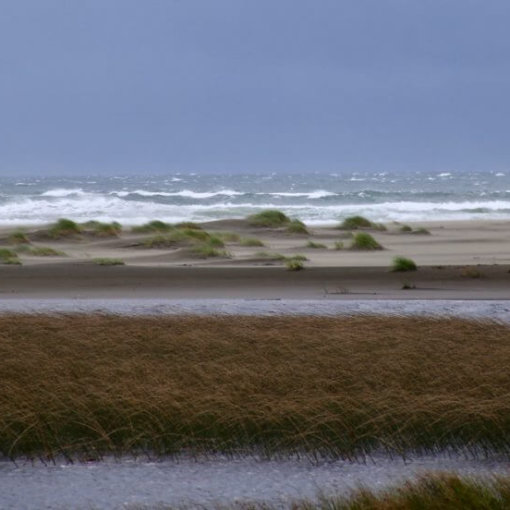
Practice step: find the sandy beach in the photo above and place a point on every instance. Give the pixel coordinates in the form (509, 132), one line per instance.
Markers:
(456, 260)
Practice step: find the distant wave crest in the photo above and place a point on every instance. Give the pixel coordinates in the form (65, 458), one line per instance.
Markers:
(184, 193)
(63, 192)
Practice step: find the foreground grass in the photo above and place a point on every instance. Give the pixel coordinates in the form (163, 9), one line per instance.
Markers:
(341, 387)
(441, 491)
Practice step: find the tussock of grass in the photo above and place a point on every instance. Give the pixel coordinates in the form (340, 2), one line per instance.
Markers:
(207, 250)
(153, 226)
(9, 257)
(317, 246)
(105, 261)
(269, 218)
(64, 228)
(270, 256)
(297, 227)
(18, 237)
(355, 222)
(293, 264)
(298, 257)
(403, 264)
(278, 257)
(161, 241)
(339, 245)
(184, 237)
(251, 241)
(360, 222)
(406, 229)
(101, 229)
(364, 241)
(421, 231)
(39, 251)
(200, 235)
(337, 386)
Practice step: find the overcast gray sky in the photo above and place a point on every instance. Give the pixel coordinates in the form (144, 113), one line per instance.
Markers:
(127, 86)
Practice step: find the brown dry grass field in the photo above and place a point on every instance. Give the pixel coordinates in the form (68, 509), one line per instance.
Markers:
(83, 386)
(440, 491)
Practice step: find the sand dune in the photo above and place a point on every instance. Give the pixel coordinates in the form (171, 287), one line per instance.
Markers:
(456, 260)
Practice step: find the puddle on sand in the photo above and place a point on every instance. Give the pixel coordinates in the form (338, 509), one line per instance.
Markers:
(130, 483)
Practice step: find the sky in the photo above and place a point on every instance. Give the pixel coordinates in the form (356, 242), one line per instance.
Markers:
(212, 86)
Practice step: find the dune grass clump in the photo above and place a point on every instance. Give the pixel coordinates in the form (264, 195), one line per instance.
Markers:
(354, 223)
(64, 228)
(342, 387)
(106, 261)
(8, 256)
(364, 241)
(431, 491)
(359, 222)
(406, 229)
(297, 227)
(403, 264)
(18, 237)
(269, 218)
(184, 237)
(251, 242)
(153, 226)
(293, 264)
(39, 251)
(316, 246)
(102, 229)
(421, 231)
(200, 235)
(207, 250)
(270, 256)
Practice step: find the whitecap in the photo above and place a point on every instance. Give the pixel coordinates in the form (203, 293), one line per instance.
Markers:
(312, 194)
(184, 193)
(63, 192)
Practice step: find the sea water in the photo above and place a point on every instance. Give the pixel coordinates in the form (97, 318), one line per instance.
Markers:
(315, 198)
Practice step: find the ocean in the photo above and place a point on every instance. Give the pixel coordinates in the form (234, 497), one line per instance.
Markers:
(315, 198)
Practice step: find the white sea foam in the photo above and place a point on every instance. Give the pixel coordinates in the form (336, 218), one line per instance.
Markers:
(312, 194)
(63, 192)
(184, 193)
(34, 210)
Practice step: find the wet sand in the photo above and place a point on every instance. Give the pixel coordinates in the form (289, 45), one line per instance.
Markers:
(88, 281)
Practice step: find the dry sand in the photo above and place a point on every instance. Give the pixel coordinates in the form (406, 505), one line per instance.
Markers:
(458, 260)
